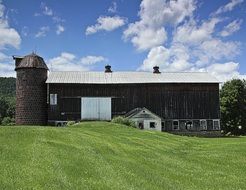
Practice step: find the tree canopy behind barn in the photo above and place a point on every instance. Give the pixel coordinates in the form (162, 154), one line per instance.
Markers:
(7, 86)
(7, 99)
(233, 106)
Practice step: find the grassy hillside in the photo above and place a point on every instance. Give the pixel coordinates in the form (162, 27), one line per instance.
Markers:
(100, 155)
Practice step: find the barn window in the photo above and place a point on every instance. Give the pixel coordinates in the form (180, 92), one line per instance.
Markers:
(203, 124)
(175, 124)
(168, 125)
(209, 124)
(189, 125)
(182, 124)
(196, 125)
(216, 124)
(53, 99)
(151, 124)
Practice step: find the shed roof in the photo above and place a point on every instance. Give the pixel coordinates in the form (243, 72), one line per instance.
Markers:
(146, 113)
(79, 77)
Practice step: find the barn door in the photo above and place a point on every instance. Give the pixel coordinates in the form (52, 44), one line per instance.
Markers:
(95, 108)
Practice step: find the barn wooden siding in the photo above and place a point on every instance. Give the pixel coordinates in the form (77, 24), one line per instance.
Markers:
(170, 101)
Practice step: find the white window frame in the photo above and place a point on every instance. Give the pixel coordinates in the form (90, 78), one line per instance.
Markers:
(216, 120)
(206, 126)
(53, 99)
(173, 125)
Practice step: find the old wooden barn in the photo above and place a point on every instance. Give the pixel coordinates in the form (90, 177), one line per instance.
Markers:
(184, 101)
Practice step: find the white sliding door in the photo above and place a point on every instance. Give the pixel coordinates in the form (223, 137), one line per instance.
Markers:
(95, 108)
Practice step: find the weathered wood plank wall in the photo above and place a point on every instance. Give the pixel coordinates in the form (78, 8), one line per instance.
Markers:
(170, 101)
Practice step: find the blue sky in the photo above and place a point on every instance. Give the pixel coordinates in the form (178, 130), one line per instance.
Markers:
(178, 36)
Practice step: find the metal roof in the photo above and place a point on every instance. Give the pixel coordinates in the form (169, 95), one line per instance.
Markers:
(31, 61)
(79, 77)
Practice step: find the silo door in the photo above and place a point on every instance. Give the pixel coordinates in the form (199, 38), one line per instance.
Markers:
(95, 108)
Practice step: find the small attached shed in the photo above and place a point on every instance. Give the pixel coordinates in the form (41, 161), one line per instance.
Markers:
(145, 119)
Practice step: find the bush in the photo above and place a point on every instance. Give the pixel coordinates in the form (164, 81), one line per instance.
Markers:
(8, 121)
(70, 123)
(123, 121)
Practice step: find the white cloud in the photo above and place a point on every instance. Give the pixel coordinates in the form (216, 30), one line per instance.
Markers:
(157, 56)
(159, 12)
(65, 62)
(231, 28)
(217, 49)
(3, 56)
(113, 8)
(46, 10)
(57, 19)
(194, 44)
(59, 29)
(169, 60)
(192, 34)
(228, 7)
(37, 14)
(2, 9)
(225, 68)
(89, 60)
(6, 66)
(42, 31)
(147, 38)
(69, 62)
(106, 23)
(180, 58)
(225, 71)
(7, 70)
(149, 31)
(8, 36)
(25, 31)
(201, 43)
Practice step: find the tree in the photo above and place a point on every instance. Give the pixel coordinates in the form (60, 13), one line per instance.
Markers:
(7, 99)
(3, 108)
(7, 108)
(233, 107)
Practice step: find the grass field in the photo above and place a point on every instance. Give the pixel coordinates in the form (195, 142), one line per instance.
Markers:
(101, 155)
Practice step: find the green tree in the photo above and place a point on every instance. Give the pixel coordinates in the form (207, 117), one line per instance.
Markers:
(7, 86)
(7, 99)
(11, 107)
(233, 107)
(3, 108)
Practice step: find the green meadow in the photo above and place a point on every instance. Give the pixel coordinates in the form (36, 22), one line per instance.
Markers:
(103, 155)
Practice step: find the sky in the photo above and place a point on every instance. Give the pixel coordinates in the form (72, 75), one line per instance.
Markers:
(129, 35)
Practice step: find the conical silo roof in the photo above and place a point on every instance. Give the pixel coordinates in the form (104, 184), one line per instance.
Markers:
(32, 61)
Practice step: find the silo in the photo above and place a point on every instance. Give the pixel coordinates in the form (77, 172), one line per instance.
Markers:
(31, 97)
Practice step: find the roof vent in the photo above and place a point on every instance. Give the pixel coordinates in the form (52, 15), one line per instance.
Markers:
(156, 70)
(108, 69)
